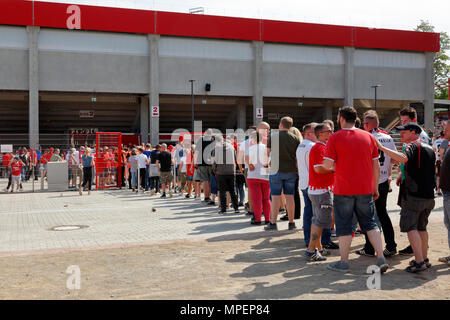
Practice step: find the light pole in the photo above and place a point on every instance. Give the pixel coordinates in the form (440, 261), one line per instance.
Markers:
(192, 105)
(375, 87)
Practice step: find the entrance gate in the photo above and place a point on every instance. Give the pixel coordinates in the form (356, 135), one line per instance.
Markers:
(108, 160)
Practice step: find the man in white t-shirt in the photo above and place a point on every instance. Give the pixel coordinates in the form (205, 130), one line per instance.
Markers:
(371, 124)
(142, 161)
(243, 148)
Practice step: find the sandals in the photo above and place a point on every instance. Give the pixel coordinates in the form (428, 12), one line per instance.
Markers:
(416, 267)
(427, 263)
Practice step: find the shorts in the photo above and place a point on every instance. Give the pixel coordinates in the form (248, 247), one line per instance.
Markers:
(282, 181)
(414, 213)
(154, 170)
(190, 178)
(195, 176)
(15, 179)
(345, 206)
(322, 207)
(204, 173)
(70, 173)
(166, 177)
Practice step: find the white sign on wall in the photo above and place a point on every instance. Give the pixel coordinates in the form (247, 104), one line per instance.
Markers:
(259, 113)
(155, 111)
(6, 148)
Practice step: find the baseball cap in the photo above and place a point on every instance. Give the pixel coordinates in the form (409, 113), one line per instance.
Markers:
(411, 126)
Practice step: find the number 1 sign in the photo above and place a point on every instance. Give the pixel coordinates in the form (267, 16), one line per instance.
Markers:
(259, 113)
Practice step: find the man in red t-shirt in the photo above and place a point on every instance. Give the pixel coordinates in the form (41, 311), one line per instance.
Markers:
(16, 170)
(320, 183)
(354, 155)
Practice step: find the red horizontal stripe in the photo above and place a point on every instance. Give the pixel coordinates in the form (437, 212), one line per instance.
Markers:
(53, 15)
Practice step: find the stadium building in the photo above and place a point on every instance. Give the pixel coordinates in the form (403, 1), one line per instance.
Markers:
(65, 67)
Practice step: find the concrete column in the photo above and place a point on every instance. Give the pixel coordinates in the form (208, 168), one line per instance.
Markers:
(429, 91)
(241, 115)
(154, 86)
(257, 79)
(144, 112)
(349, 83)
(328, 112)
(33, 78)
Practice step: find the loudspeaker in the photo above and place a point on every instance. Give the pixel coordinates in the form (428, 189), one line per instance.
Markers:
(208, 87)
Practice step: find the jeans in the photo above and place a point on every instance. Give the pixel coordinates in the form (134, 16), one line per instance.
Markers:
(147, 179)
(297, 201)
(307, 217)
(87, 177)
(154, 183)
(282, 181)
(447, 214)
(134, 179)
(344, 208)
(240, 182)
(386, 224)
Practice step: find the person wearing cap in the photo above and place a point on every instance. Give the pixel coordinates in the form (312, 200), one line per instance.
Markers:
(416, 195)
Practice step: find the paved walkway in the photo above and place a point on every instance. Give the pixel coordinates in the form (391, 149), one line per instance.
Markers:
(117, 217)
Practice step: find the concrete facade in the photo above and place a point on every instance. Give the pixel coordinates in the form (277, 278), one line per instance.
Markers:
(57, 60)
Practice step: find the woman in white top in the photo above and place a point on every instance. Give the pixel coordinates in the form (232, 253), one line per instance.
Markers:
(258, 179)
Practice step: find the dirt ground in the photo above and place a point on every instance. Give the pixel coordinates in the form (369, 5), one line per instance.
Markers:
(252, 266)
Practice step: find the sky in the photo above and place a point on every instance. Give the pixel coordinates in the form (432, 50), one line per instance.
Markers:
(389, 14)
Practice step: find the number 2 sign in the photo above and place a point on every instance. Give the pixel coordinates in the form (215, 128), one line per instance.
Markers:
(259, 113)
(155, 111)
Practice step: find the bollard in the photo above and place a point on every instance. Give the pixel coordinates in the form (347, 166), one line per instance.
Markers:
(41, 170)
(138, 179)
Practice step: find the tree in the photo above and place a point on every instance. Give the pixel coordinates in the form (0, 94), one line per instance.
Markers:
(441, 59)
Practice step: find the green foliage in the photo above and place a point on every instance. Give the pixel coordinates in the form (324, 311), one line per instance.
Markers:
(441, 59)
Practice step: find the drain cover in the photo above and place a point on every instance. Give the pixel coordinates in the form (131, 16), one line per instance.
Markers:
(67, 228)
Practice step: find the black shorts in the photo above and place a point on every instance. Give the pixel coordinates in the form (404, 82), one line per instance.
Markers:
(414, 213)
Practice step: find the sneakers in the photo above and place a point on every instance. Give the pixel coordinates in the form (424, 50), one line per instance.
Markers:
(333, 233)
(292, 226)
(285, 218)
(248, 213)
(163, 195)
(339, 266)
(325, 252)
(389, 253)
(241, 204)
(236, 210)
(221, 211)
(445, 259)
(363, 252)
(331, 245)
(382, 264)
(211, 203)
(207, 200)
(407, 251)
(271, 227)
(256, 223)
(314, 255)
(187, 196)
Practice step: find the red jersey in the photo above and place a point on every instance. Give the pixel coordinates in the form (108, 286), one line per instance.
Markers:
(352, 151)
(316, 180)
(16, 168)
(6, 159)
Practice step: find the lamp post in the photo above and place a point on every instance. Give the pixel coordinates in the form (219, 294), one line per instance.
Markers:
(375, 87)
(192, 105)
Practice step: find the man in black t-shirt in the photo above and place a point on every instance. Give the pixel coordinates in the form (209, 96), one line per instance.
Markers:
(165, 161)
(154, 172)
(416, 191)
